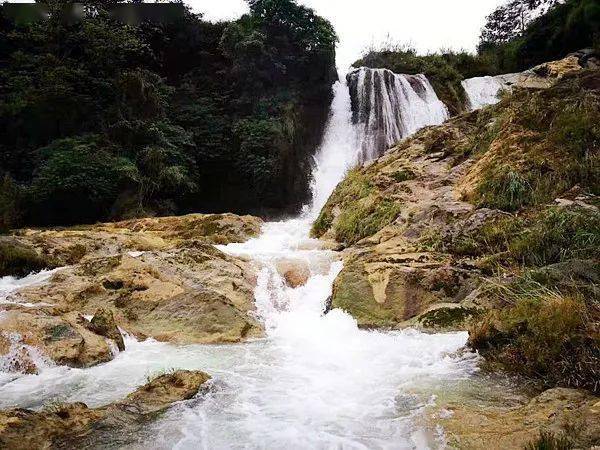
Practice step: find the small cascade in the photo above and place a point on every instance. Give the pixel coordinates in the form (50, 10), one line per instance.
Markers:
(388, 107)
(485, 91)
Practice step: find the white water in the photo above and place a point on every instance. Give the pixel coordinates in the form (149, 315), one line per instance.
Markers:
(389, 107)
(315, 382)
(485, 91)
(9, 285)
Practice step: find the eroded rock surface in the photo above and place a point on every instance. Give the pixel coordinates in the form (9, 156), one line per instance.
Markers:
(161, 278)
(75, 425)
(563, 413)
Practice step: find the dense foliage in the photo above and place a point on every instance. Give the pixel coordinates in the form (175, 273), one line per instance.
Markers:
(513, 39)
(104, 119)
(566, 27)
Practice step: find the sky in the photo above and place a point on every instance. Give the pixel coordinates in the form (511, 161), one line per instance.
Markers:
(428, 25)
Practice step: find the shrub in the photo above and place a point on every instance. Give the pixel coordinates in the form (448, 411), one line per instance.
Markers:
(549, 441)
(78, 181)
(10, 204)
(508, 191)
(546, 332)
(557, 235)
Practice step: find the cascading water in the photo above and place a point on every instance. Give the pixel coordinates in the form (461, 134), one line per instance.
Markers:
(388, 107)
(315, 381)
(485, 91)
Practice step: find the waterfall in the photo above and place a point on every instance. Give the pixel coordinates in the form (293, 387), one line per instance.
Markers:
(485, 91)
(316, 380)
(388, 107)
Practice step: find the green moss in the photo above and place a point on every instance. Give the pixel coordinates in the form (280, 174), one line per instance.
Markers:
(60, 332)
(353, 189)
(322, 224)
(403, 175)
(447, 318)
(364, 218)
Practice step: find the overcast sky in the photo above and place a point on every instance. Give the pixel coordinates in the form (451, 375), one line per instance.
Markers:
(426, 24)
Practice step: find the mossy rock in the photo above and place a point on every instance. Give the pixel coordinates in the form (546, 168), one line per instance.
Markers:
(17, 259)
(448, 318)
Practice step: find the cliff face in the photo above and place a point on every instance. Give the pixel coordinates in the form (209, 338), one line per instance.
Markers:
(488, 222)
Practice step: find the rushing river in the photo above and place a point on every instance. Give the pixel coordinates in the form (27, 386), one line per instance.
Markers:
(316, 381)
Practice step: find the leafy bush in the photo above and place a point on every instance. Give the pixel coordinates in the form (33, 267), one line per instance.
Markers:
(77, 180)
(364, 218)
(200, 116)
(10, 204)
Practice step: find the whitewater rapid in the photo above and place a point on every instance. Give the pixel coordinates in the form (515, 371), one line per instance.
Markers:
(316, 381)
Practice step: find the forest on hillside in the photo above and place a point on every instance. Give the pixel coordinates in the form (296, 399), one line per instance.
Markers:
(105, 117)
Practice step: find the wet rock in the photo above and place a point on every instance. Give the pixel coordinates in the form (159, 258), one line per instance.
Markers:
(63, 340)
(19, 259)
(568, 413)
(77, 426)
(186, 294)
(389, 290)
(295, 272)
(103, 323)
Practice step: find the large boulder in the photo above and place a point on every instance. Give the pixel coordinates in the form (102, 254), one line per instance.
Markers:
(77, 426)
(19, 259)
(31, 336)
(195, 294)
(159, 277)
(385, 290)
(103, 323)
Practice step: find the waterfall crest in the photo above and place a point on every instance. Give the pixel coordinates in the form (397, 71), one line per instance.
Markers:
(387, 107)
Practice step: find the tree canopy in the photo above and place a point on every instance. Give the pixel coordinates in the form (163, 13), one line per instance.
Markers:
(115, 115)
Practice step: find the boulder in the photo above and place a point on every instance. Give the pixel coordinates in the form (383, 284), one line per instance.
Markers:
(191, 294)
(384, 290)
(103, 323)
(295, 272)
(77, 426)
(19, 259)
(62, 339)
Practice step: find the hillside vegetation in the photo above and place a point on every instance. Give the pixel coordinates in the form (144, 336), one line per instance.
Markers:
(102, 118)
(490, 219)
